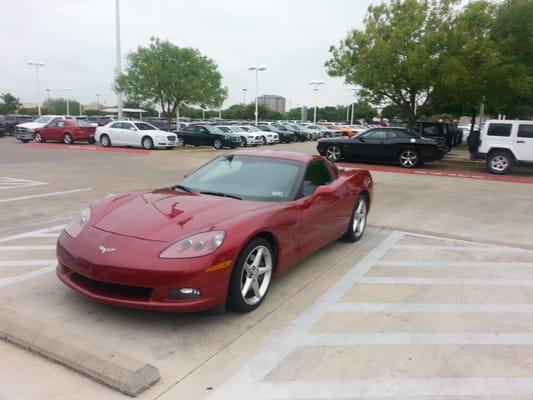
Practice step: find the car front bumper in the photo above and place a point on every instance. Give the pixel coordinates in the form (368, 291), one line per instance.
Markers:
(24, 135)
(133, 276)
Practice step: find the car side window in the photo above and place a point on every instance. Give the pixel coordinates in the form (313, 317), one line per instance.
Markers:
(116, 125)
(52, 124)
(127, 125)
(499, 130)
(317, 174)
(525, 131)
(377, 135)
(60, 124)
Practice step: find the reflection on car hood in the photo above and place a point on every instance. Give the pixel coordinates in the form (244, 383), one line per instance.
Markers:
(166, 215)
(31, 125)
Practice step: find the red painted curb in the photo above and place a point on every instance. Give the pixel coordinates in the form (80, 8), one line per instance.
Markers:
(88, 147)
(444, 173)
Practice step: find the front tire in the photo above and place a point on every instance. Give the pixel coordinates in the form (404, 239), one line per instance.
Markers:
(217, 144)
(147, 143)
(38, 138)
(409, 158)
(333, 153)
(499, 162)
(251, 276)
(357, 225)
(244, 143)
(263, 140)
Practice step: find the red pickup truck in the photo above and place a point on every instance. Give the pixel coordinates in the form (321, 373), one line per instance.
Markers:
(65, 130)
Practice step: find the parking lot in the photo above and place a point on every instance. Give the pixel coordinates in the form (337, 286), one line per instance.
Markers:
(435, 302)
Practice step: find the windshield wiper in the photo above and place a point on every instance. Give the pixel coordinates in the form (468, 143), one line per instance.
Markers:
(222, 195)
(184, 188)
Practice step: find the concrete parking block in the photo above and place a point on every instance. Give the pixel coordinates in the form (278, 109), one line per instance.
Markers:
(119, 371)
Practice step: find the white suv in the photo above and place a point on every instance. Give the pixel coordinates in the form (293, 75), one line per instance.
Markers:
(504, 143)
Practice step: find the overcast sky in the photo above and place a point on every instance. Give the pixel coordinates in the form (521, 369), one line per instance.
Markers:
(76, 40)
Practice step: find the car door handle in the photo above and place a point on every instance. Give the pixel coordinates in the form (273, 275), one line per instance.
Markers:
(520, 141)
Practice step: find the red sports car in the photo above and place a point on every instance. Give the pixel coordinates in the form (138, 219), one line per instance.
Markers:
(218, 237)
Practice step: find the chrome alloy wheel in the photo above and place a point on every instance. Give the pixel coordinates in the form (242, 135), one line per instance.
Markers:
(256, 275)
(359, 217)
(408, 158)
(333, 153)
(499, 163)
(38, 138)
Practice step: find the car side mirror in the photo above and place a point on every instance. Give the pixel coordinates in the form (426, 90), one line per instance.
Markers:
(362, 140)
(132, 129)
(323, 190)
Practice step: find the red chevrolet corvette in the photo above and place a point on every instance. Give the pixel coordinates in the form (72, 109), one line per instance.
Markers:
(218, 237)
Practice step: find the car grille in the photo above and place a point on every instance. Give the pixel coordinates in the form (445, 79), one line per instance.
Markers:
(171, 138)
(20, 130)
(111, 289)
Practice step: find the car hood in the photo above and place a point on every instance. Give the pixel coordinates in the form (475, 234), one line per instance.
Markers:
(31, 125)
(166, 215)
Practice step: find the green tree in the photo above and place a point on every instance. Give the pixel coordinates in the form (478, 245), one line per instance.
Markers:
(400, 55)
(166, 75)
(10, 103)
(59, 106)
(392, 112)
(512, 33)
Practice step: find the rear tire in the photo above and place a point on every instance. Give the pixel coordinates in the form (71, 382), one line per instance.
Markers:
(499, 162)
(333, 153)
(357, 225)
(91, 141)
(250, 279)
(68, 139)
(105, 141)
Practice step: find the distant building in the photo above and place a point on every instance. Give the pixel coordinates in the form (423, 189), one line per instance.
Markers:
(272, 102)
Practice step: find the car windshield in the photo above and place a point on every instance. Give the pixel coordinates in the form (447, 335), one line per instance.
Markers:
(43, 120)
(143, 126)
(237, 129)
(248, 177)
(213, 129)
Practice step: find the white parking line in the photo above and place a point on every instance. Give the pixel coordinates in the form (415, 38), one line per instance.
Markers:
(432, 308)
(390, 388)
(447, 281)
(477, 249)
(250, 381)
(7, 182)
(244, 383)
(26, 263)
(27, 248)
(22, 277)
(453, 264)
(44, 195)
(372, 339)
(32, 233)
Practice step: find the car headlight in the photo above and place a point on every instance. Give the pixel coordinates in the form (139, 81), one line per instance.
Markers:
(75, 226)
(197, 245)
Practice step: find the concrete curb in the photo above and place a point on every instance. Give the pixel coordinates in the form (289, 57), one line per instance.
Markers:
(121, 372)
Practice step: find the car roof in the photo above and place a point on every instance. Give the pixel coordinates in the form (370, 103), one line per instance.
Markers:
(509, 121)
(286, 155)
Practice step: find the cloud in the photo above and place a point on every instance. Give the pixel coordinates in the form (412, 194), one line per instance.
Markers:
(76, 40)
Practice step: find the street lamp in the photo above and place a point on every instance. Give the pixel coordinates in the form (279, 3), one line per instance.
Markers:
(315, 85)
(118, 56)
(37, 64)
(256, 69)
(97, 99)
(48, 93)
(244, 94)
(67, 90)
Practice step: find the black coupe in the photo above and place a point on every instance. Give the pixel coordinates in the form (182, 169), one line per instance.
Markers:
(383, 145)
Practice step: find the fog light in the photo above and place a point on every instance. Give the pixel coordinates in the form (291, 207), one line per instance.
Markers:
(183, 294)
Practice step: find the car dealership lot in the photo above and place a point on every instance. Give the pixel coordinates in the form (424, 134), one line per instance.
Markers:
(398, 314)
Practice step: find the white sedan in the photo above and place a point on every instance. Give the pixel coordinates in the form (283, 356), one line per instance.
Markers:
(134, 134)
(247, 138)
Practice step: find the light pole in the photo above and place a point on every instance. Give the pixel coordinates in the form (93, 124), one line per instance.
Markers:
(97, 99)
(256, 69)
(48, 94)
(68, 106)
(37, 64)
(353, 91)
(315, 85)
(118, 55)
(244, 95)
